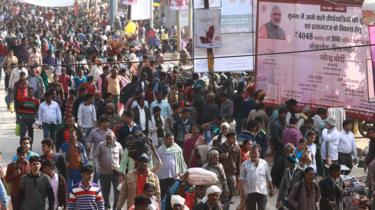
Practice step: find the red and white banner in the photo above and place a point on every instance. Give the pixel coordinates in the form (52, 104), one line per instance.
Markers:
(299, 54)
(50, 3)
(129, 2)
(178, 4)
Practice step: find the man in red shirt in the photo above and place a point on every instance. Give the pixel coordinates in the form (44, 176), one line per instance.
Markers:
(64, 79)
(27, 110)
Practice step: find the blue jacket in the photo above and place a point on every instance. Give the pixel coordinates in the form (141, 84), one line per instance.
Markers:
(3, 194)
(64, 150)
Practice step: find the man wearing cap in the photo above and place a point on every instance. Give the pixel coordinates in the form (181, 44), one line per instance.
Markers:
(211, 200)
(107, 156)
(135, 180)
(331, 139)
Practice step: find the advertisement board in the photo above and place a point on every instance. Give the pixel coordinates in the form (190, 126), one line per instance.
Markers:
(315, 52)
(237, 38)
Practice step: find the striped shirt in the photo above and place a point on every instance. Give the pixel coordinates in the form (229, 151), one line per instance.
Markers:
(85, 198)
(28, 107)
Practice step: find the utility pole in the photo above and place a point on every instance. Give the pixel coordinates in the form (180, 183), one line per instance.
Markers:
(152, 13)
(178, 31)
(113, 11)
(190, 19)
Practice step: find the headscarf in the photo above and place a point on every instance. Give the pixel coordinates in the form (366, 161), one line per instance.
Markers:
(177, 199)
(211, 190)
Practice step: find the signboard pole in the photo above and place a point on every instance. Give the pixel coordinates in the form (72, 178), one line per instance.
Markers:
(113, 11)
(210, 56)
(178, 31)
(152, 14)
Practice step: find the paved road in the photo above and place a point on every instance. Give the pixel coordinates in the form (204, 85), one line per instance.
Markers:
(9, 142)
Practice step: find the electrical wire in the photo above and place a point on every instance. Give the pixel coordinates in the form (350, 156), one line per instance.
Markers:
(215, 57)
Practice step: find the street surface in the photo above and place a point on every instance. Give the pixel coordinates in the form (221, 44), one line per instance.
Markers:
(10, 142)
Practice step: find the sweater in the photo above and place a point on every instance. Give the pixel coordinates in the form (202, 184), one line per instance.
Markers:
(34, 190)
(81, 197)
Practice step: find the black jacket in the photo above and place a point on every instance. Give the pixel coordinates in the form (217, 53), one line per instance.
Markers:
(61, 192)
(329, 192)
(60, 164)
(137, 117)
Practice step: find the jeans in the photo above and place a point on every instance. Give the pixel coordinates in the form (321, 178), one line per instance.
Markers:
(255, 199)
(27, 126)
(7, 78)
(49, 131)
(74, 177)
(85, 135)
(105, 184)
(165, 184)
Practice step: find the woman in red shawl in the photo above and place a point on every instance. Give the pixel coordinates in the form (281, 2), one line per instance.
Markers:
(192, 140)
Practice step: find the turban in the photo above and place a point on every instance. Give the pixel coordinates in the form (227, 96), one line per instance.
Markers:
(213, 189)
(176, 199)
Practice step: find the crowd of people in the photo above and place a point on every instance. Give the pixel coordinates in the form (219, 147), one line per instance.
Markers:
(95, 90)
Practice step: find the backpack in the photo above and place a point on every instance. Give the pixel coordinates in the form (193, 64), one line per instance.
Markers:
(127, 92)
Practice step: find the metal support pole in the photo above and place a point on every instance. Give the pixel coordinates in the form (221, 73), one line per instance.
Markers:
(113, 11)
(152, 14)
(178, 31)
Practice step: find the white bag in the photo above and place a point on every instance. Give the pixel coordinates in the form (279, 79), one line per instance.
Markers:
(200, 176)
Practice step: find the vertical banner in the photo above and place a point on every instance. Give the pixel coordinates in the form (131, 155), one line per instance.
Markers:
(237, 38)
(371, 68)
(178, 4)
(141, 10)
(332, 66)
(207, 28)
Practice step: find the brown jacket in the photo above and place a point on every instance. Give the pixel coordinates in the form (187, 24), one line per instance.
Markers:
(129, 188)
(14, 179)
(232, 161)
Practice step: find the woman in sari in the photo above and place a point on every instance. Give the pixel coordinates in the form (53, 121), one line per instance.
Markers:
(191, 143)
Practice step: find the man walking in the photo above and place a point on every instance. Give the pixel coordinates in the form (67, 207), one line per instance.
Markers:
(85, 194)
(27, 110)
(58, 183)
(50, 154)
(49, 114)
(35, 188)
(305, 194)
(107, 158)
(76, 157)
(173, 163)
(135, 180)
(332, 190)
(331, 139)
(256, 180)
(347, 147)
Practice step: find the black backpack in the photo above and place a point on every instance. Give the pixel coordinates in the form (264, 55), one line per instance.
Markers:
(127, 92)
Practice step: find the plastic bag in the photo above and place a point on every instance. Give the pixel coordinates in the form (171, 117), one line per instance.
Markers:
(18, 129)
(200, 176)
(11, 107)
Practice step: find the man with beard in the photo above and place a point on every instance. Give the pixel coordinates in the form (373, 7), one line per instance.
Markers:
(272, 29)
